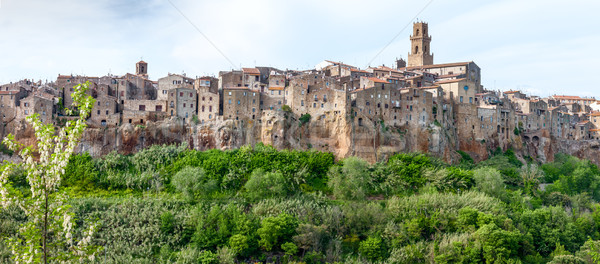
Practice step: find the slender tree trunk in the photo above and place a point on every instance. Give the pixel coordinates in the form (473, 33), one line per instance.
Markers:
(45, 229)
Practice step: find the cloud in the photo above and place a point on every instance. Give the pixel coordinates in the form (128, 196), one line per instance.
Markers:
(537, 44)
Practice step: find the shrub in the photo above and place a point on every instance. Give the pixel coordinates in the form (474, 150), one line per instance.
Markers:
(305, 118)
(191, 181)
(489, 181)
(286, 108)
(276, 230)
(372, 249)
(289, 248)
(265, 184)
(351, 181)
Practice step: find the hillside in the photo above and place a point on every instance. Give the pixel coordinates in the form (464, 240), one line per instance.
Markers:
(169, 204)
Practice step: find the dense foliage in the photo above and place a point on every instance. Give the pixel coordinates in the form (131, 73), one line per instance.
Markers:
(168, 204)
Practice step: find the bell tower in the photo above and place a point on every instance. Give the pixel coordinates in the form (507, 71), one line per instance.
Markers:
(420, 41)
(141, 68)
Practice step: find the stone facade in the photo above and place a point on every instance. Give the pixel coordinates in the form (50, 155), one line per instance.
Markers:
(172, 81)
(182, 103)
(241, 103)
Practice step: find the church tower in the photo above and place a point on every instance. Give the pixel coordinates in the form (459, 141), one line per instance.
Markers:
(420, 41)
(141, 68)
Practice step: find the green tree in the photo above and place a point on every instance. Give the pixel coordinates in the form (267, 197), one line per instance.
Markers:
(350, 181)
(372, 248)
(192, 180)
(530, 177)
(489, 181)
(276, 230)
(47, 236)
(265, 184)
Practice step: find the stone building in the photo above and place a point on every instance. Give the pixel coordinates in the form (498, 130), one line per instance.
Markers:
(208, 98)
(172, 81)
(459, 90)
(318, 95)
(241, 103)
(231, 79)
(65, 84)
(135, 87)
(420, 53)
(105, 112)
(417, 107)
(182, 102)
(41, 103)
(273, 98)
(141, 69)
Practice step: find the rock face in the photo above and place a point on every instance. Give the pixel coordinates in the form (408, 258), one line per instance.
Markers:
(338, 134)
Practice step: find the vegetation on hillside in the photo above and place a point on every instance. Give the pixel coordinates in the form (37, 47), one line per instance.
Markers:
(168, 204)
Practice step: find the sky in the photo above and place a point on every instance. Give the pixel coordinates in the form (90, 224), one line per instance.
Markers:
(542, 47)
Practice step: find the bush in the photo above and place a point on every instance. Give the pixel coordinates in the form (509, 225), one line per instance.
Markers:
(276, 230)
(372, 249)
(489, 181)
(286, 108)
(351, 181)
(305, 118)
(265, 185)
(193, 181)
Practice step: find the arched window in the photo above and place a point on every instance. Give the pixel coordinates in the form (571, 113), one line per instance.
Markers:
(417, 32)
(416, 49)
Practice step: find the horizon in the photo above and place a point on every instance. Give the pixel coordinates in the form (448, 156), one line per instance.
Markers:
(265, 33)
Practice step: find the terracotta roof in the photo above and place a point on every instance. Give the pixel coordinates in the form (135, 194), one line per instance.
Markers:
(595, 130)
(572, 97)
(376, 80)
(276, 87)
(357, 70)
(251, 71)
(595, 114)
(8, 92)
(451, 81)
(449, 75)
(439, 65)
(511, 92)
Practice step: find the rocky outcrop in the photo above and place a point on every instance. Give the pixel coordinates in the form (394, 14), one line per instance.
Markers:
(373, 141)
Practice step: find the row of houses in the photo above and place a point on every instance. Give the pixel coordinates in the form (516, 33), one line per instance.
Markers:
(417, 94)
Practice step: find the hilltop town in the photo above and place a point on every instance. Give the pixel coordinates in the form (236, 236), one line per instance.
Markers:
(416, 105)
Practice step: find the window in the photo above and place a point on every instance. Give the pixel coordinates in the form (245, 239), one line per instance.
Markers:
(301, 102)
(183, 104)
(202, 98)
(202, 109)
(98, 103)
(98, 112)
(229, 93)
(142, 107)
(461, 99)
(239, 102)
(229, 101)
(279, 92)
(106, 112)
(471, 100)
(191, 105)
(190, 94)
(210, 98)
(271, 92)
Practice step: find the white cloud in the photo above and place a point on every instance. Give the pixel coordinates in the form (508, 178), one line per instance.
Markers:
(517, 43)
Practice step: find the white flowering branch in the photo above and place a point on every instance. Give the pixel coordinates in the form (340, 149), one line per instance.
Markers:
(47, 236)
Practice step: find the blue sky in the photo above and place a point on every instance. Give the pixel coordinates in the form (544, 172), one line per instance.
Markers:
(541, 47)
